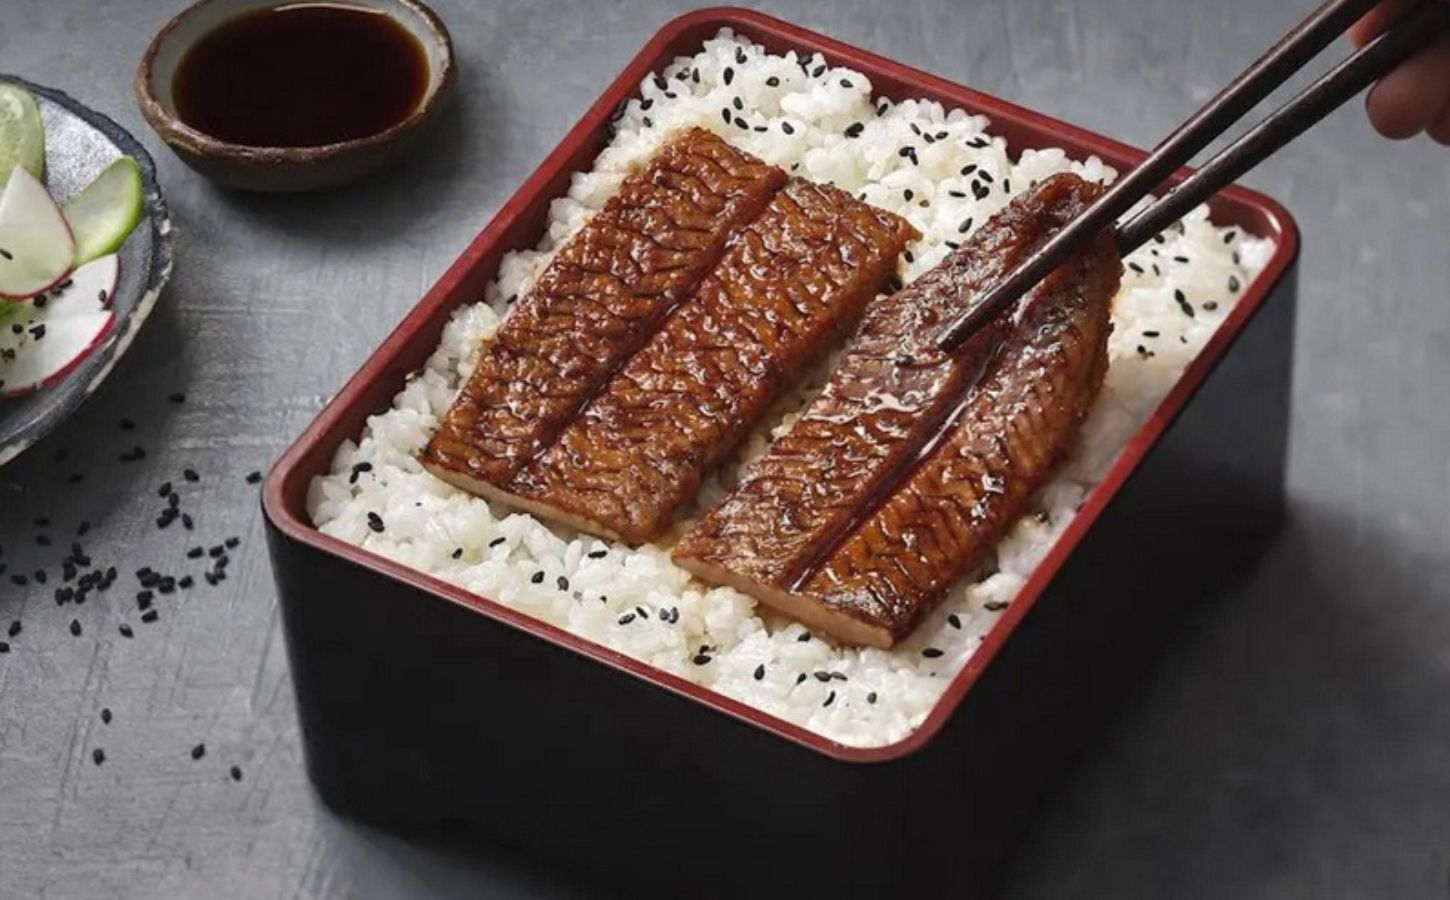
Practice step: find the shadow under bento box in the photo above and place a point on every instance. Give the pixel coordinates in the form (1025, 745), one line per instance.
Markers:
(422, 704)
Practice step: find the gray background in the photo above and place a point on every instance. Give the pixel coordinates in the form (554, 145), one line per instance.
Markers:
(1295, 742)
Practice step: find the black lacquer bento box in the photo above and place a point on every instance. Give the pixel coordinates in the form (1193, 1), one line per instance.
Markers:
(425, 705)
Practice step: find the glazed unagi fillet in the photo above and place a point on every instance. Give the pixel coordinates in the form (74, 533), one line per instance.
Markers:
(597, 302)
(854, 521)
(789, 284)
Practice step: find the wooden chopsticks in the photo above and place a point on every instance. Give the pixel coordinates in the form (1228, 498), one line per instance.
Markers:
(1430, 19)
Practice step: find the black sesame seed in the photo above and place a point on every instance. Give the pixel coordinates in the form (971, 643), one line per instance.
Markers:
(772, 81)
(787, 128)
(496, 541)
(804, 637)
(846, 83)
(538, 577)
(198, 751)
(125, 630)
(908, 193)
(375, 522)
(1210, 305)
(457, 553)
(195, 553)
(236, 772)
(965, 226)
(232, 543)
(597, 554)
(954, 621)
(254, 477)
(563, 583)
(738, 104)
(186, 521)
(822, 676)
(994, 605)
(1180, 259)
(1233, 284)
(818, 71)
(14, 629)
(729, 75)
(186, 582)
(98, 756)
(799, 678)
(701, 659)
(75, 627)
(149, 616)
(830, 698)
(106, 715)
(931, 652)
(854, 129)
(190, 475)
(626, 618)
(725, 114)
(871, 697)
(760, 672)
(4, 647)
(1135, 267)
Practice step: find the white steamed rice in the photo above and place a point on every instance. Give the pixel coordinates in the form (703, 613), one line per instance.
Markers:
(796, 112)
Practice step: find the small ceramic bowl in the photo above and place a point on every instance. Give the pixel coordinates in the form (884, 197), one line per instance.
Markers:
(279, 169)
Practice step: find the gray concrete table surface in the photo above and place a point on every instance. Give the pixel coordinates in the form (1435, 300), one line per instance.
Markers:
(1295, 741)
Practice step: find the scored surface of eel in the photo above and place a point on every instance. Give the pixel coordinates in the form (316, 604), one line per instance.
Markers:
(596, 303)
(780, 534)
(789, 283)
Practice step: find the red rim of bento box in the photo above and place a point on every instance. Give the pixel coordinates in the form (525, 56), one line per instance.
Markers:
(284, 495)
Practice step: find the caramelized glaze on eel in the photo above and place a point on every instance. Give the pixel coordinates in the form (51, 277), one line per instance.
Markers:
(903, 474)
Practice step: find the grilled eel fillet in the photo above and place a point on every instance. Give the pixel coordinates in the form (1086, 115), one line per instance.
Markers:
(596, 303)
(904, 472)
(790, 283)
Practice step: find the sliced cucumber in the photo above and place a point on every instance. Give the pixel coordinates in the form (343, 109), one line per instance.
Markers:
(106, 211)
(22, 135)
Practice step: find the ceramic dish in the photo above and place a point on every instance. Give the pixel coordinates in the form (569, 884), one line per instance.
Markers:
(278, 169)
(79, 144)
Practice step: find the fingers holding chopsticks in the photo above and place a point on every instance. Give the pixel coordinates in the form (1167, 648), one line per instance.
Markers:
(1416, 96)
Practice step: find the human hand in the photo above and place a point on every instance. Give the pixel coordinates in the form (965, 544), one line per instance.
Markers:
(1416, 96)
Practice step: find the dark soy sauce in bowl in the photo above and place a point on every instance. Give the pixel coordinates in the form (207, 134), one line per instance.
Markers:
(301, 75)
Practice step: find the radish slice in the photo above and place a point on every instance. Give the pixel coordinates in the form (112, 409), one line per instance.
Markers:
(49, 336)
(36, 245)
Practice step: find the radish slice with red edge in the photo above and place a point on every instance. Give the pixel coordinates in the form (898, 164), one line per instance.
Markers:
(37, 248)
(50, 335)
